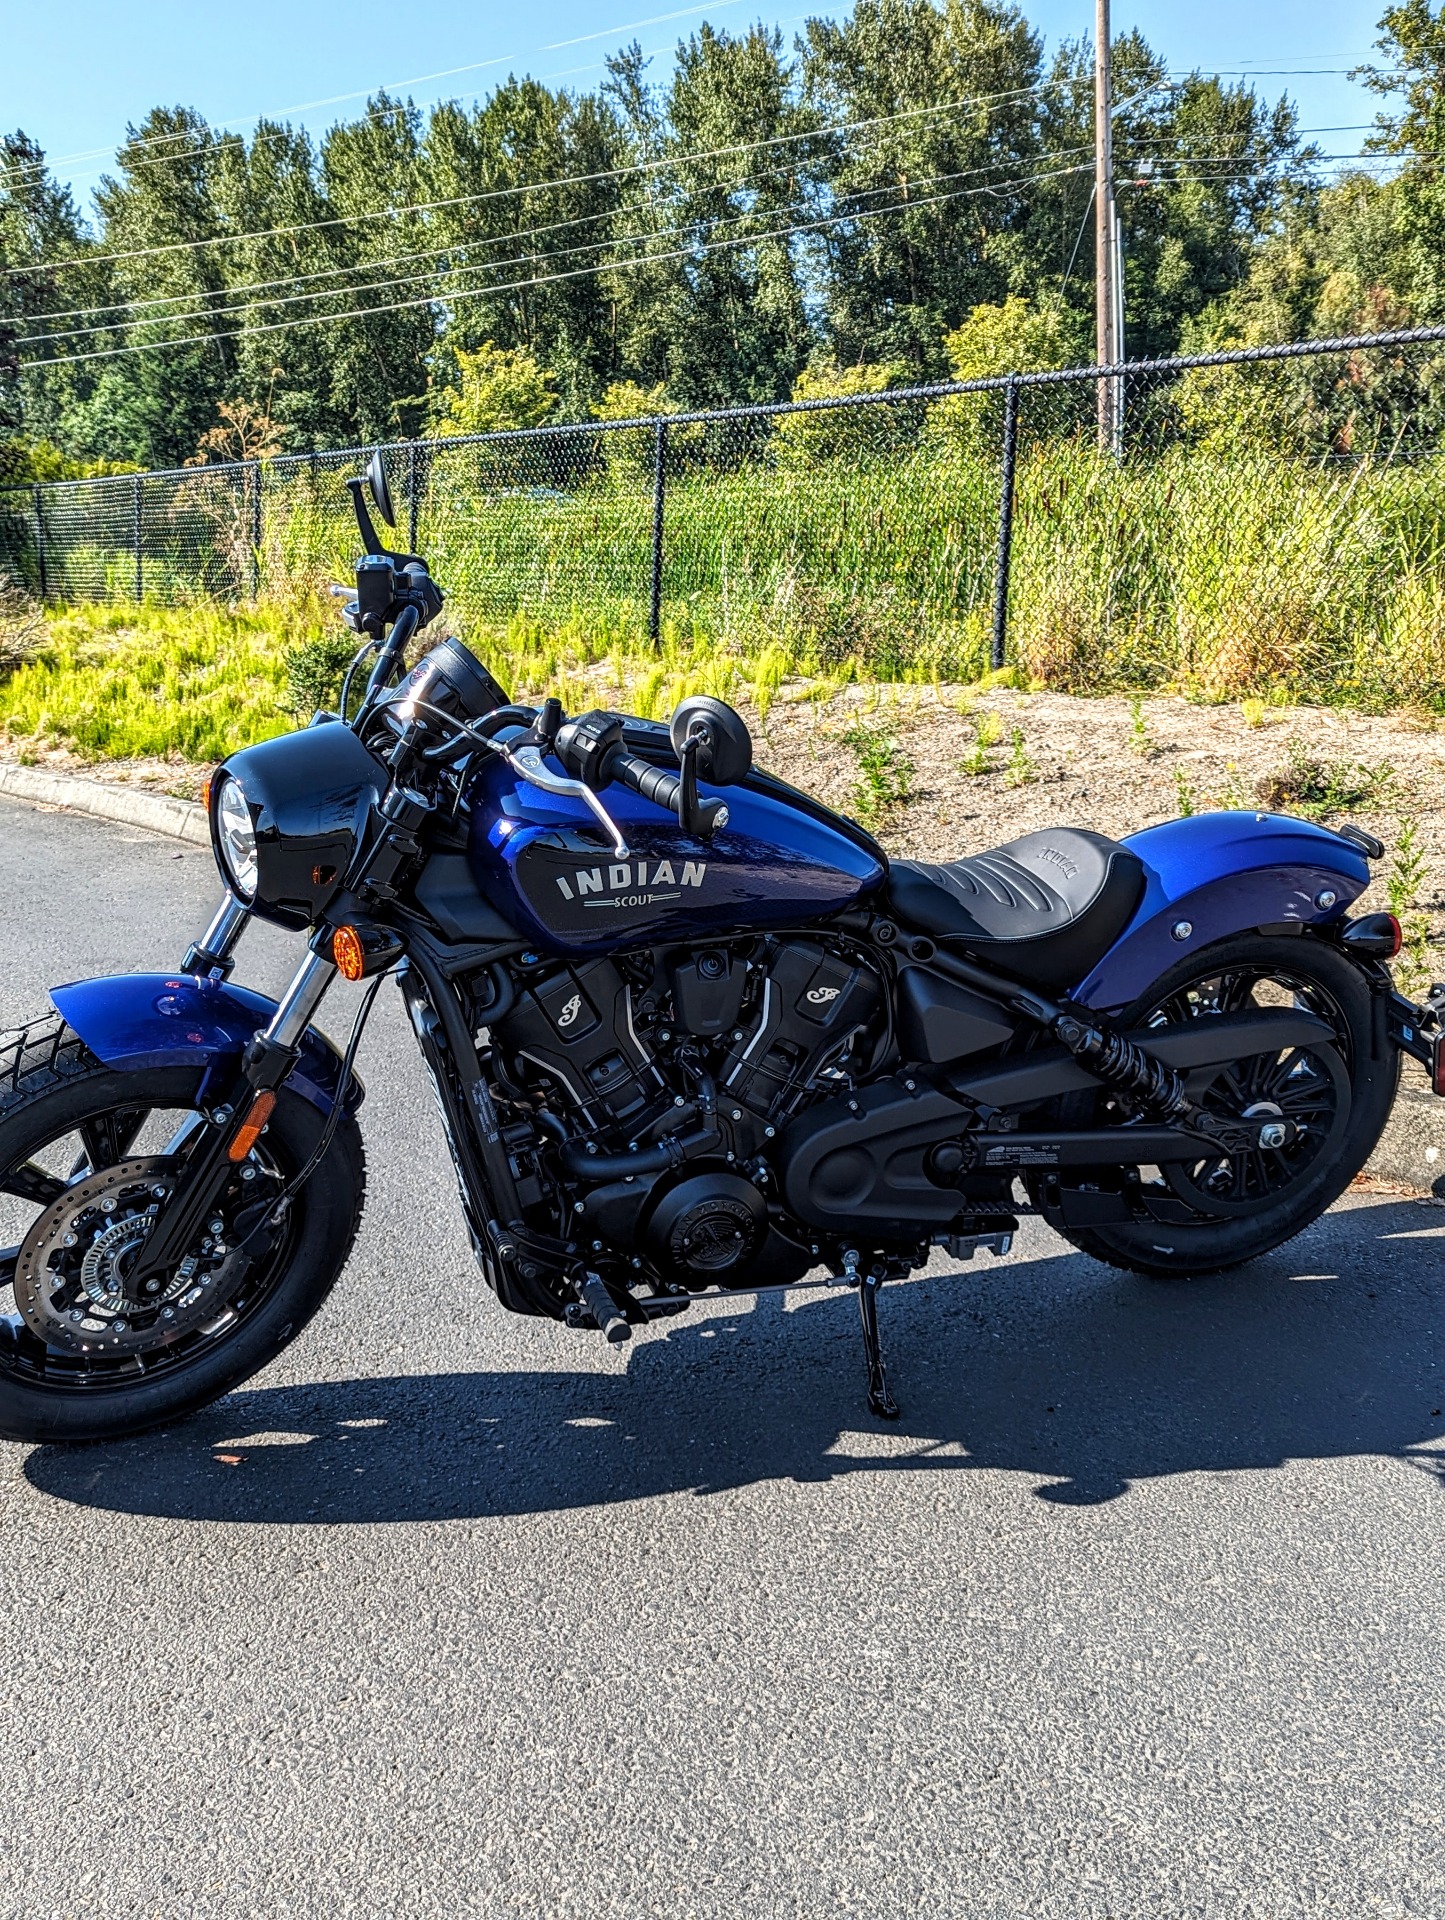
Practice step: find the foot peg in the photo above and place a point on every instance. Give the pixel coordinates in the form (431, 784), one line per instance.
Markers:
(610, 1318)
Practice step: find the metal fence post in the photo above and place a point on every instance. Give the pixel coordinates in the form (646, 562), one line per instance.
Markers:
(39, 505)
(659, 496)
(256, 529)
(1005, 521)
(135, 534)
(413, 493)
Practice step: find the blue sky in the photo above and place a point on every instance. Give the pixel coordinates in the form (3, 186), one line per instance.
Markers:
(76, 74)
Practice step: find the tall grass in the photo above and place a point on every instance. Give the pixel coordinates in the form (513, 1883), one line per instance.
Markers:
(1222, 575)
(1214, 573)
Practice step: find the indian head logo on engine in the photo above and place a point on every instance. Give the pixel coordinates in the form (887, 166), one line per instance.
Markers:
(622, 883)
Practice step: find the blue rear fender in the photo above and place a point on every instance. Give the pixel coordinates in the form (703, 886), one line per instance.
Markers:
(1221, 874)
(133, 1021)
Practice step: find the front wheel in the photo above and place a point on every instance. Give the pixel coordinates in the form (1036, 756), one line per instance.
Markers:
(1332, 1102)
(87, 1154)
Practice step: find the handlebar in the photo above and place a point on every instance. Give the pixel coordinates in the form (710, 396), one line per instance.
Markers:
(665, 790)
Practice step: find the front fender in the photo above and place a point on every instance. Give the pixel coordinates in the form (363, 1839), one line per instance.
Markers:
(137, 1020)
(1222, 874)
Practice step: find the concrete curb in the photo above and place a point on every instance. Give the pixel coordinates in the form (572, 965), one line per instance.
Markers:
(106, 800)
(1411, 1151)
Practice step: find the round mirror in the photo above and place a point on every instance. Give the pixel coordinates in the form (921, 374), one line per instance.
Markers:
(380, 491)
(725, 755)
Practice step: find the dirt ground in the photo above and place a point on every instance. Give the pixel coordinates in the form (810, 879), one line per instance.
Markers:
(1107, 763)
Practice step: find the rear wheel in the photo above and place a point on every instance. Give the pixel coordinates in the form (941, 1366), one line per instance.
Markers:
(1331, 1102)
(87, 1156)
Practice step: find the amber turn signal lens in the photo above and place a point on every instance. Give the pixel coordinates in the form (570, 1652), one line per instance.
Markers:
(348, 953)
(250, 1133)
(206, 792)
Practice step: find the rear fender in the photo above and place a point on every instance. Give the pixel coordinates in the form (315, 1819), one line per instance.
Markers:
(1217, 874)
(133, 1021)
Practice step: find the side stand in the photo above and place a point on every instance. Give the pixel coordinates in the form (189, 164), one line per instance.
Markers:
(880, 1400)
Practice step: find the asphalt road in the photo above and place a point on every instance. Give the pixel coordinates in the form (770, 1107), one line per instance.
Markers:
(1137, 1613)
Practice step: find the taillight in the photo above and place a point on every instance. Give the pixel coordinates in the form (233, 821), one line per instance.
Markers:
(1374, 934)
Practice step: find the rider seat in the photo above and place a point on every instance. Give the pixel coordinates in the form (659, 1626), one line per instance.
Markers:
(1044, 908)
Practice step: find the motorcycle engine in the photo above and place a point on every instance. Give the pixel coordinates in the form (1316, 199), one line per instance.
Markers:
(687, 1062)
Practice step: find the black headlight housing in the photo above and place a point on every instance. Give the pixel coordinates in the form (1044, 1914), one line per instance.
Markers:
(310, 795)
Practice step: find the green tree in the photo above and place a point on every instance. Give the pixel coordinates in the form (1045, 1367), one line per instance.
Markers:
(929, 183)
(497, 389)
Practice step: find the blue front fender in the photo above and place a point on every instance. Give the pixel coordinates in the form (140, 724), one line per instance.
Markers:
(1222, 874)
(137, 1020)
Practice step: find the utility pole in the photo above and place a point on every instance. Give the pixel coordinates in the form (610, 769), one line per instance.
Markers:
(1107, 296)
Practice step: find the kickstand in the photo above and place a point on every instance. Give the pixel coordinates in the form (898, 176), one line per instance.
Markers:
(880, 1400)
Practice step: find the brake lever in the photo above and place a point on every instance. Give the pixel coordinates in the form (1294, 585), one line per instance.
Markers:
(528, 762)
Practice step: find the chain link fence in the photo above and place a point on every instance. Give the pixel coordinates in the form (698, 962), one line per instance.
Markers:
(1230, 518)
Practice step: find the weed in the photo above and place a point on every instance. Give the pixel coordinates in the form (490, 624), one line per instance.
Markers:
(885, 773)
(1139, 737)
(1020, 768)
(1316, 789)
(1184, 793)
(987, 732)
(1403, 886)
(315, 670)
(1252, 712)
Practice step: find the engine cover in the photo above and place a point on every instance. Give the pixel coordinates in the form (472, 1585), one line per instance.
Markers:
(711, 1229)
(576, 1026)
(811, 1001)
(860, 1165)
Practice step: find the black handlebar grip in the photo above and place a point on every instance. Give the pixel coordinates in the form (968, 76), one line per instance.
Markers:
(653, 783)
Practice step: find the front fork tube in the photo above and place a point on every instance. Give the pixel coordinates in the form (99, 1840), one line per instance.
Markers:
(266, 1063)
(212, 952)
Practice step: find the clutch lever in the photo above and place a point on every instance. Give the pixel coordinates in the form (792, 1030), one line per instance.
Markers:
(528, 762)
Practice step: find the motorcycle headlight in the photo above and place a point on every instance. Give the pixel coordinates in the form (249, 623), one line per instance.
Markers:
(235, 835)
(287, 815)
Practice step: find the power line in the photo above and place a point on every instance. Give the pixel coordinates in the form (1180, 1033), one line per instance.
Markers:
(363, 93)
(451, 299)
(571, 180)
(238, 305)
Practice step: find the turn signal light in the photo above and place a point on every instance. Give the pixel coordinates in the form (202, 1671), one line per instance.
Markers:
(1375, 934)
(206, 793)
(348, 953)
(250, 1133)
(357, 952)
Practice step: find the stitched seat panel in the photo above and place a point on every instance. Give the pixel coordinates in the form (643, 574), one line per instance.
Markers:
(1045, 907)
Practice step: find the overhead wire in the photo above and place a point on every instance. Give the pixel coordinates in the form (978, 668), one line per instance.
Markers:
(452, 298)
(240, 304)
(495, 193)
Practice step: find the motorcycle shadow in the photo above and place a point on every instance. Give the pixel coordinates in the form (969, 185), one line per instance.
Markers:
(1081, 1380)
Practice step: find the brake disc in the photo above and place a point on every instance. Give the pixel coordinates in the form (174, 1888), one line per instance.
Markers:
(71, 1275)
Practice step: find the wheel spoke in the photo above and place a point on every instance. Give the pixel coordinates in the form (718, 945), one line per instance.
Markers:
(31, 1182)
(107, 1137)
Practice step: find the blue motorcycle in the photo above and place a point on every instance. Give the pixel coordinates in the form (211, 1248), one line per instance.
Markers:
(689, 1031)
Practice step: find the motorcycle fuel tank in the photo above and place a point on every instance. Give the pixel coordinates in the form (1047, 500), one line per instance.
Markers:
(543, 862)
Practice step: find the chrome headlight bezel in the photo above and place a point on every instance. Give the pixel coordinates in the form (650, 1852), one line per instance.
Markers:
(233, 835)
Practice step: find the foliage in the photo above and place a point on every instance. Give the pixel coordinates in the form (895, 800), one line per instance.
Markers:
(498, 389)
(843, 432)
(885, 772)
(1319, 789)
(750, 211)
(1404, 884)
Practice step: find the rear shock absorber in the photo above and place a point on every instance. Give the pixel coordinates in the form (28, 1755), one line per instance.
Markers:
(1125, 1067)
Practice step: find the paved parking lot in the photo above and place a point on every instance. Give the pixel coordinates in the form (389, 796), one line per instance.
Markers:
(1137, 1613)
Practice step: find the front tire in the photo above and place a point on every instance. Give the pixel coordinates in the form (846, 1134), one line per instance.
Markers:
(65, 1118)
(1254, 970)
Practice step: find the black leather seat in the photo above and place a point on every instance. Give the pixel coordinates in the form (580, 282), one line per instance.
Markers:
(1044, 908)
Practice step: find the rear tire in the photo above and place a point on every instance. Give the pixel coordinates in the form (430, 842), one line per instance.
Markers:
(52, 1085)
(1326, 983)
